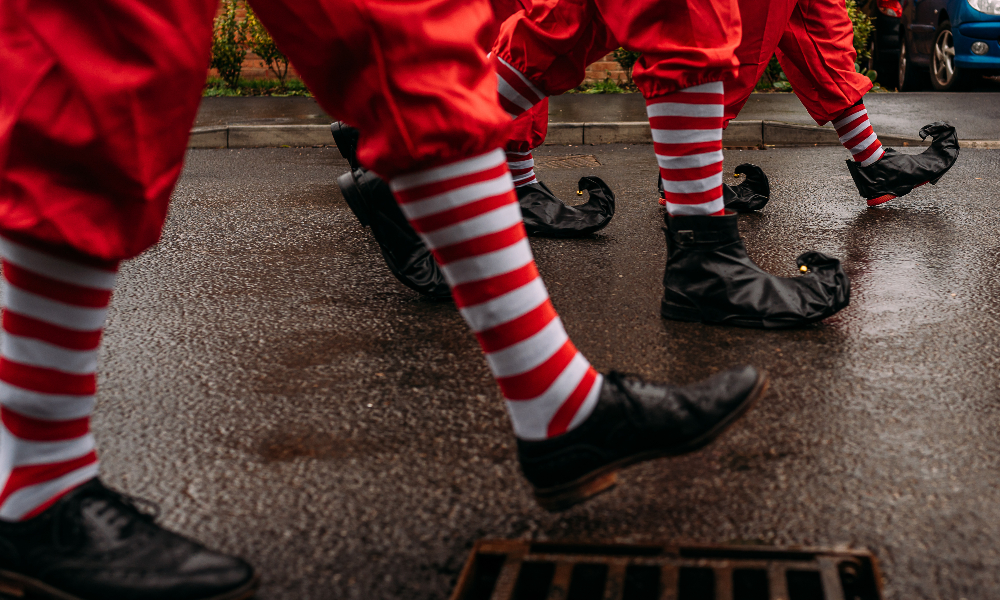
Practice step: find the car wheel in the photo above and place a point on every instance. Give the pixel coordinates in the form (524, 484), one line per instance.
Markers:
(910, 78)
(945, 75)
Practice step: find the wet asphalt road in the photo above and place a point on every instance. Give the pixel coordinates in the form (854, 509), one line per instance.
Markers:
(267, 381)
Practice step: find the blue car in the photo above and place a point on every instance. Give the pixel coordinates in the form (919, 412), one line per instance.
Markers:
(948, 42)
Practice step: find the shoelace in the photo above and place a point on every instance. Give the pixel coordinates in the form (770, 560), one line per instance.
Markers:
(68, 518)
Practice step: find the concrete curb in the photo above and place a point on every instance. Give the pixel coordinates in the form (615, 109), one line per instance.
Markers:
(739, 134)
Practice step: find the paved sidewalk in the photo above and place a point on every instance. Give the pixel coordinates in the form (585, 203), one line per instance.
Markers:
(771, 119)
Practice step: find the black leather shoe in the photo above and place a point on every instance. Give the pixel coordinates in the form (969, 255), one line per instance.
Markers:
(406, 255)
(896, 174)
(635, 421)
(95, 544)
(372, 202)
(547, 216)
(751, 194)
(710, 278)
(346, 138)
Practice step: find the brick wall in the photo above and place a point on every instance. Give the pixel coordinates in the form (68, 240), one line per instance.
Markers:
(604, 68)
(253, 68)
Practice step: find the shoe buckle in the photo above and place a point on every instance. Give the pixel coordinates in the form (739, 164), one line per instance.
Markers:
(685, 236)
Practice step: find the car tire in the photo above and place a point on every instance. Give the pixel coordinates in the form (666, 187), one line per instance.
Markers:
(910, 78)
(945, 74)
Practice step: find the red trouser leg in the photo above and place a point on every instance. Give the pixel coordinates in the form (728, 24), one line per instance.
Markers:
(97, 104)
(415, 109)
(683, 43)
(764, 22)
(553, 41)
(814, 43)
(817, 54)
(529, 129)
(94, 118)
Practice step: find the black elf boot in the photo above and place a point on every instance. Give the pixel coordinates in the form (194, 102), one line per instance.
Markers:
(95, 544)
(547, 216)
(635, 421)
(896, 174)
(710, 278)
(749, 195)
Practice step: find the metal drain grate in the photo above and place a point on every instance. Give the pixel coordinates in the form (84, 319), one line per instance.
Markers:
(518, 570)
(571, 161)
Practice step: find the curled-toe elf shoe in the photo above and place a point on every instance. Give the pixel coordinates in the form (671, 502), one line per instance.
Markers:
(709, 278)
(546, 215)
(896, 174)
(749, 195)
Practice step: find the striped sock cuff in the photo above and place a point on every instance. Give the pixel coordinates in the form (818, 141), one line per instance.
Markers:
(856, 134)
(687, 140)
(522, 168)
(54, 310)
(516, 92)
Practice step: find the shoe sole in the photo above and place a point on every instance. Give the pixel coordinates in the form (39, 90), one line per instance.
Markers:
(885, 198)
(564, 496)
(687, 314)
(17, 585)
(352, 195)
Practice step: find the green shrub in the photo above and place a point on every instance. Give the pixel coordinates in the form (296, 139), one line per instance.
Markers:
(608, 86)
(260, 43)
(229, 44)
(627, 60)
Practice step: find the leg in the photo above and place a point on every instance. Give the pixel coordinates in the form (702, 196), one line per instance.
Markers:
(461, 201)
(543, 213)
(527, 134)
(708, 276)
(544, 50)
(764, 22)
(92, 140)
(817, 54)
(566, 37)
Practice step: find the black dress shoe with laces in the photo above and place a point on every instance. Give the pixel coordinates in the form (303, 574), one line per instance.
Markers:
(635, 421)
(96, 544)
(897, 174)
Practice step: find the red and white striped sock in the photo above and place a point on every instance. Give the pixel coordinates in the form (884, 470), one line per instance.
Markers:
(857, 135)
(467, 214)
(517, 93)
(687, 139)
(522, 167)
(53, 314)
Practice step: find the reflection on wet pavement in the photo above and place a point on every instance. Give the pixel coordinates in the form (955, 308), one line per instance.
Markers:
(269, 382)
